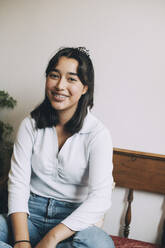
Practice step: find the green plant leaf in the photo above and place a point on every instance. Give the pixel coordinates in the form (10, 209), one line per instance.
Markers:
(6, 100)
(6, 146)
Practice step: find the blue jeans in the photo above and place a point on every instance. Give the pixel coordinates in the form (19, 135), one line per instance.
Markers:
(45, 213)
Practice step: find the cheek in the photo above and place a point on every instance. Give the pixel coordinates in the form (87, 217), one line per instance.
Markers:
(47, 88)
(77, 91)
(48, 84)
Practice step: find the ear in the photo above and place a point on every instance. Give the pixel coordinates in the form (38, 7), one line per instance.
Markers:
(85, 89)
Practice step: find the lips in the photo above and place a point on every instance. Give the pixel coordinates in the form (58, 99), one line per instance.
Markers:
(59, 97)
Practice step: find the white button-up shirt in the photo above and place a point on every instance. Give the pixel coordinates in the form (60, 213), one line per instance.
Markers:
(80, 172)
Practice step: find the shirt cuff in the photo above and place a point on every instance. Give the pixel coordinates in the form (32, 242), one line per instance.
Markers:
(74, 225)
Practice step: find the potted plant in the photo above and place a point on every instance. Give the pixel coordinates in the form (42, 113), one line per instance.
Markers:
(6, 147)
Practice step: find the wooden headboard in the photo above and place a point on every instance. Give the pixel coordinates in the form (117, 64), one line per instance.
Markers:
(138, 171)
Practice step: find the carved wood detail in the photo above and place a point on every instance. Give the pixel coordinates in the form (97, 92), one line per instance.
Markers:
(138, 171)
(128, 214)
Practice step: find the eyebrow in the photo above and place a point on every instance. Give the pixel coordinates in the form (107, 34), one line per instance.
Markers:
(73, 73)
(70, 73)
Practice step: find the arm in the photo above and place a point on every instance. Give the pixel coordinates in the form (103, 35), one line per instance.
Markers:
(54, 236)
(19, 182)
(20, 229)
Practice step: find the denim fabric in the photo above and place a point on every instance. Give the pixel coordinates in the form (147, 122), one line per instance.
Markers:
(5, 232)
(45, 213)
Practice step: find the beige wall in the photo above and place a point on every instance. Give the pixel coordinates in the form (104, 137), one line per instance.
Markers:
(126, 40)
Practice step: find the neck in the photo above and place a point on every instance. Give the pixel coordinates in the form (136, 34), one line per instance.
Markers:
(63, 119)
(65, 116)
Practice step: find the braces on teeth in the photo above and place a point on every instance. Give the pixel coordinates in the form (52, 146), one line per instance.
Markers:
(60, 96)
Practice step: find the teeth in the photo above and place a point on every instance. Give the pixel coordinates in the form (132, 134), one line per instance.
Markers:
(59, 96)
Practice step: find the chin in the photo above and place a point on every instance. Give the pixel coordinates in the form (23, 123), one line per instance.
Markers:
(57, 107)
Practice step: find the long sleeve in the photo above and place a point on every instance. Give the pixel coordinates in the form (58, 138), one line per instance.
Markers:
(80, 172)
(20, 172)
(98, 201)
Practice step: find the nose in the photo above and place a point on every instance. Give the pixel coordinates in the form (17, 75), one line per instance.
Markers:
(60, 85)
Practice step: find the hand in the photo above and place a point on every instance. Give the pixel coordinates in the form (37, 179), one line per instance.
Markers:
(48, 241)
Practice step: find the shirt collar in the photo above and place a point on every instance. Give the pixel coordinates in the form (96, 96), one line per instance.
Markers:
(89, 123)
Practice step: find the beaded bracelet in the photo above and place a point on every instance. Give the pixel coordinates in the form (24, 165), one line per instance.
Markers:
(19, 241)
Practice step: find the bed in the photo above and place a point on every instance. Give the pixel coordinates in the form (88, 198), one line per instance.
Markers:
(137, 171)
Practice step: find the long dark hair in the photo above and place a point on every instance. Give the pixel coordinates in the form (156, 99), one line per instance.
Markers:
(45, 115)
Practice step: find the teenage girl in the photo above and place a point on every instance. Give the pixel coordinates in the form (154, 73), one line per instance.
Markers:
(60, 180)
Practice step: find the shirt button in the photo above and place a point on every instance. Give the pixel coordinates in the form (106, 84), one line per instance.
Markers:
(59, 170)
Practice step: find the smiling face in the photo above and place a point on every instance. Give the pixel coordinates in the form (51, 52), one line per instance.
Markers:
(63, 86)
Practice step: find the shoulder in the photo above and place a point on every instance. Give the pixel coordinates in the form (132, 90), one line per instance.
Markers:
(95, 128)
(93, 125)
(28, 122)
(27, 125)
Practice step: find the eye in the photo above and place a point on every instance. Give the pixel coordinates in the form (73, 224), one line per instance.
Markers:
(53, 75)
(71, 79)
